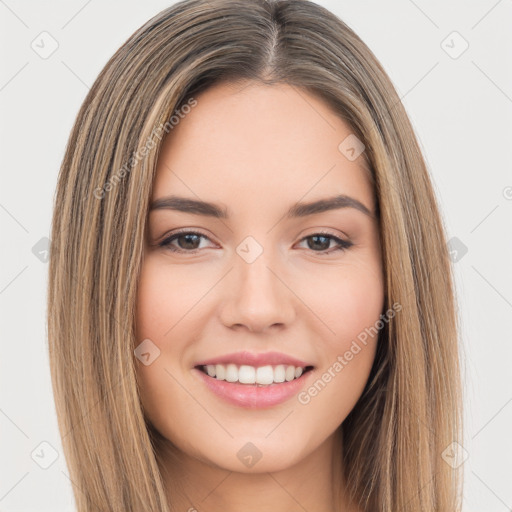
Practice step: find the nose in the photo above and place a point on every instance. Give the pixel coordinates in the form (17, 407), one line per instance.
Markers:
(258, 296)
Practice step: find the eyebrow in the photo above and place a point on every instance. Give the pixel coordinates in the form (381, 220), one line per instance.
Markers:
(197, 207)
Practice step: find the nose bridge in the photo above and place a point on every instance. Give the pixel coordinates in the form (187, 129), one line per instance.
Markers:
(256, 279)
(258, 297)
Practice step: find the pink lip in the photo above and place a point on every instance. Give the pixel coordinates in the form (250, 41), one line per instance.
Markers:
(252, 396)
(256, 360)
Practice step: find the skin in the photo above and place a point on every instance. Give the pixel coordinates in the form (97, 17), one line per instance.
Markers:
(257, 150)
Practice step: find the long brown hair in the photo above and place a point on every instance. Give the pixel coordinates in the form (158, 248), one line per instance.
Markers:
(410, 410)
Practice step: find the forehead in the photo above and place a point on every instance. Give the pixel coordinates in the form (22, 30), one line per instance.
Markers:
(251, 145)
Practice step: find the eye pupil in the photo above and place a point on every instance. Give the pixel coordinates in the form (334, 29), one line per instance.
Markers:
(323, 246)
(188, 236)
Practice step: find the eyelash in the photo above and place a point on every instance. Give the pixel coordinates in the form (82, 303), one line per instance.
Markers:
(343, 245)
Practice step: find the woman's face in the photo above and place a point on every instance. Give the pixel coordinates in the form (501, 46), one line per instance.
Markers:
(260, 284)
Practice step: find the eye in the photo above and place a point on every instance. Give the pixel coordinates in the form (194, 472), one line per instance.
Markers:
(190, 241)
(322, 241)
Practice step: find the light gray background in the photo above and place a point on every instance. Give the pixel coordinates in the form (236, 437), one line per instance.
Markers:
(461, 109)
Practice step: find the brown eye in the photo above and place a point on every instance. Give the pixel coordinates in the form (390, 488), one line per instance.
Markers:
(187, 241)
(190, 241)
(320, 243)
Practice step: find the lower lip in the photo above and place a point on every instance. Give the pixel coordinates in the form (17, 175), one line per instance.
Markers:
(252, 396)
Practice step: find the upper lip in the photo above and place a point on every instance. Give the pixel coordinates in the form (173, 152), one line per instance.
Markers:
(255, 359)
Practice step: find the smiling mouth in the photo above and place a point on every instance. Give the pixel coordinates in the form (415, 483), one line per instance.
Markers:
(262, 376)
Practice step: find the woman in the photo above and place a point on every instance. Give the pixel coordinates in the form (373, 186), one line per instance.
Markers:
(251, 303)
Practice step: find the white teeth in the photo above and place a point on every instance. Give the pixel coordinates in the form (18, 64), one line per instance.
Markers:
(263, 375)
(247, 374)
(279, 373)
(220, 371)
(231, 373)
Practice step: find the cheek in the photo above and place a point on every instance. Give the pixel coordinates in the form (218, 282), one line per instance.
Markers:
(349, 302)
(155, 315)
(166, 304)
(150, 301)
(351, 306)
(164, 299)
